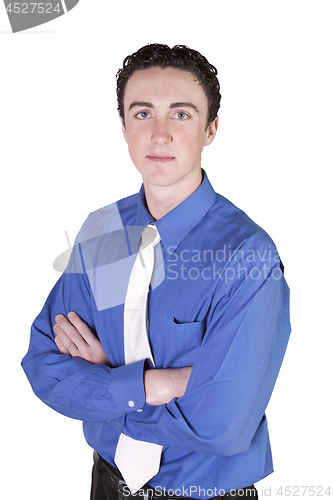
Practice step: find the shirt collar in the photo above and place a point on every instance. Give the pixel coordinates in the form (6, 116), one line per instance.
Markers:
(177, 224)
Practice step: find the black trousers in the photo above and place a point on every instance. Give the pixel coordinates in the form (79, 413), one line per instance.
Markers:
(101, 489)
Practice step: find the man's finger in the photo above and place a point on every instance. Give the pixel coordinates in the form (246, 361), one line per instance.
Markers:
(61, 346)
(77, 338)
(63, 336)
(81, 327)
(72, 333)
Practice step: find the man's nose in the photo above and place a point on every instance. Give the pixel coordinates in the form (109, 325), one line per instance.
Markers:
(161, 134)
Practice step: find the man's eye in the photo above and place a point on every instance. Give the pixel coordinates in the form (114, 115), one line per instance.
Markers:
(142, 115)
(181, 115)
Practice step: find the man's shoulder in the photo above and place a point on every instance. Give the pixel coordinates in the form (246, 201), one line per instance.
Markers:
(112, 217)
(234, 220)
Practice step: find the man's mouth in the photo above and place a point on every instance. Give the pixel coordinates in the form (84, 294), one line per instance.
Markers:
(160, 158)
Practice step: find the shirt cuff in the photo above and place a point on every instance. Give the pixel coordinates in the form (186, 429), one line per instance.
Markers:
(126, 388)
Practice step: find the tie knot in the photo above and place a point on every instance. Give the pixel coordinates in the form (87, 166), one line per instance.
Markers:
(150, 236)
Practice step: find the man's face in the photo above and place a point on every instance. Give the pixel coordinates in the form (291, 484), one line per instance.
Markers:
(165, 114)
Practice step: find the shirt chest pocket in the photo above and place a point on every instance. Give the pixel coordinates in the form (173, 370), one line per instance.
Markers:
(181, 341)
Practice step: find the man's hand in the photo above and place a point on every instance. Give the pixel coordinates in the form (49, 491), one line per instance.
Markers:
(74, 337)
(163, 385)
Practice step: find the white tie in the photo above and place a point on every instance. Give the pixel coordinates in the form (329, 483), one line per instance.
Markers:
(138, 461)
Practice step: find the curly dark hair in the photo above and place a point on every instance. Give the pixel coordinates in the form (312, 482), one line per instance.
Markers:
(180, 57)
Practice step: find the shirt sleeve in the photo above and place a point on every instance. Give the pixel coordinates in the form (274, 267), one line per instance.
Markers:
(235, 369)
(71, 385)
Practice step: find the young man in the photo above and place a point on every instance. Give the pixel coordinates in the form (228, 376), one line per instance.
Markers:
(183, 413)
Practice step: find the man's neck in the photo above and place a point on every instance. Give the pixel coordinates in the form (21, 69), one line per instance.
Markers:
(161, 200)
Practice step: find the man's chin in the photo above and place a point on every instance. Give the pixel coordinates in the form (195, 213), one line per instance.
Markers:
(160, 178)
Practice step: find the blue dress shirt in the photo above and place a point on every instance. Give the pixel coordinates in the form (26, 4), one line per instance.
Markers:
(219, 302)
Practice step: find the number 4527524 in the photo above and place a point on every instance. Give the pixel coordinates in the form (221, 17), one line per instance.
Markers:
(301, 491)
(33, 7)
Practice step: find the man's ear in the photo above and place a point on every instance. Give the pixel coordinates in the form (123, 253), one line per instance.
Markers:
(123, 128)
(211, 131)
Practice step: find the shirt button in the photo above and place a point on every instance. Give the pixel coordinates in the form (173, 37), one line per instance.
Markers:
(131, 404)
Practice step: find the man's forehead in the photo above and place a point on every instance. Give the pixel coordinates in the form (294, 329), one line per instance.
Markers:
(161, 82)
(177, 77)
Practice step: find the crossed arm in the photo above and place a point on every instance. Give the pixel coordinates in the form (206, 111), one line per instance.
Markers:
(75, 338)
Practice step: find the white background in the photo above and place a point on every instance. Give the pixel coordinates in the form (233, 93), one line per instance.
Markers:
(63, 155)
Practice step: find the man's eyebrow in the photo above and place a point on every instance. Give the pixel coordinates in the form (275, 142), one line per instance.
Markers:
(142, 104)
(184, 105)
